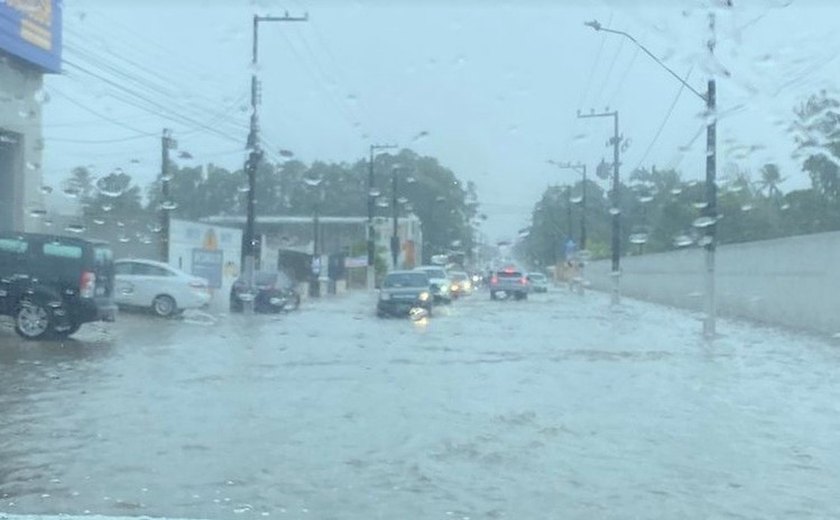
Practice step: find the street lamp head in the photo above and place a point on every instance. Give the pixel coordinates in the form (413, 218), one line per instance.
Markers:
(595, 24)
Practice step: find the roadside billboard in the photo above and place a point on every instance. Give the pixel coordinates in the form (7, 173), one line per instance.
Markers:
(31, 31)
(208, 251)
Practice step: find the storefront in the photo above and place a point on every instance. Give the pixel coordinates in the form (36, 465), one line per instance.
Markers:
(30, 46)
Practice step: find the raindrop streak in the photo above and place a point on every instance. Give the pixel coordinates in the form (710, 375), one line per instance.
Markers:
(703, 222)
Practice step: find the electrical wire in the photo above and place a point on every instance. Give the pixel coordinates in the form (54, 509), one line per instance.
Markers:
(665, 120)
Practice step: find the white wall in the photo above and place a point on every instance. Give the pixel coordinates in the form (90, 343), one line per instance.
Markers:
(20, 113)
(792, 281)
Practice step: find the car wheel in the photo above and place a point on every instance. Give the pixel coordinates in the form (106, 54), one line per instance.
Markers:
(33, 319)
(164, 306)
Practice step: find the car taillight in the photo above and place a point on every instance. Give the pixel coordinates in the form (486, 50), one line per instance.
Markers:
(523, 280)
(495, 279)
(87, 284)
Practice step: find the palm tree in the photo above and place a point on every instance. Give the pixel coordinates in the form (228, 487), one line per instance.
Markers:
(770, 180)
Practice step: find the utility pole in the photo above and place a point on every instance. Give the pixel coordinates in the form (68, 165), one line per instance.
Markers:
(250, 248)
(395, 239)
(371, 201)
(615, 211)
(580, 168)
(569, 212)
(710, 211)
(166, 143)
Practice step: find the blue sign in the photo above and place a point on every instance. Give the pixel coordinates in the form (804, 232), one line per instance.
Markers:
(207, 263)
(31, 30)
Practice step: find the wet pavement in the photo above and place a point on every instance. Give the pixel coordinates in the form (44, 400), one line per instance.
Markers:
(555, 407)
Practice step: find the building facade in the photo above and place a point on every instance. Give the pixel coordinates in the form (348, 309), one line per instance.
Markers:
(30, 46)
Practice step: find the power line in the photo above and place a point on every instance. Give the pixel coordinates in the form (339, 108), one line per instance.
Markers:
(665, 120)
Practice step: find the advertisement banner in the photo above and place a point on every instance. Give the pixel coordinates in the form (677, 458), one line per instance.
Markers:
(208, 264)
(31, 30)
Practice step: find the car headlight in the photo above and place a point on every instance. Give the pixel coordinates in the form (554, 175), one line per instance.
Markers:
(384, 296)
(455, 287)
(424, 296)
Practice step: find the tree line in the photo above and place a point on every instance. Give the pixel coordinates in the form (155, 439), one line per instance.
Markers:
(660, 210)
(114, 205)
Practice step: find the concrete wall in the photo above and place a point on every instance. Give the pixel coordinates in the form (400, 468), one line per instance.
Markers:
(20, 116)
(792, 281)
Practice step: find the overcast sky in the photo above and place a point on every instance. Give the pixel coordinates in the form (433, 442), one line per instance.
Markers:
(495, 85)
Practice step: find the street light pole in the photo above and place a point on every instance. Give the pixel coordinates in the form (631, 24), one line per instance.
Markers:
(371, 200)
(710, 211)
(615, 211)
(250, 258)
(580, 168)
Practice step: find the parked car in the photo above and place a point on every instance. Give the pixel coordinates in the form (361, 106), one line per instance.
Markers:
(461, 283)
(148, 284)
(439, 283)
(538, 281)
(51, 285)
(274, 292)
(402, 292)
(509, 282)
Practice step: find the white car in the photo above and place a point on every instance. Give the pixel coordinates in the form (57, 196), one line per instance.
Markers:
(164, 289)
(439, 282)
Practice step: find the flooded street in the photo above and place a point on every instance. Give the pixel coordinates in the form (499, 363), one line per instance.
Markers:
(555, 407)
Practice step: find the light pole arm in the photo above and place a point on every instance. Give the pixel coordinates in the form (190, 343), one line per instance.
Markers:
(597, 26)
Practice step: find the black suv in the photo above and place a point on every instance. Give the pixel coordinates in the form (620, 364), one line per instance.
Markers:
(50, 285)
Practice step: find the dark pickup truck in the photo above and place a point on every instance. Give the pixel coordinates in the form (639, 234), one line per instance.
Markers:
(50, 285)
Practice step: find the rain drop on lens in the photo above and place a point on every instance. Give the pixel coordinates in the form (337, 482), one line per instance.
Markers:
(374, 192)
(124, 239)
(704, 222)
(75, 228)
(382, 203)
(746, 207)
(37, 213)
(700, 205)
(46, 190)
(98, 221)
(676, 191)
(243, 188)
(683, 241)
(614, 211)
(638, 238)
(107, 207)
(645, 199)
(704, 241)
(168, 205)
(784, 206)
